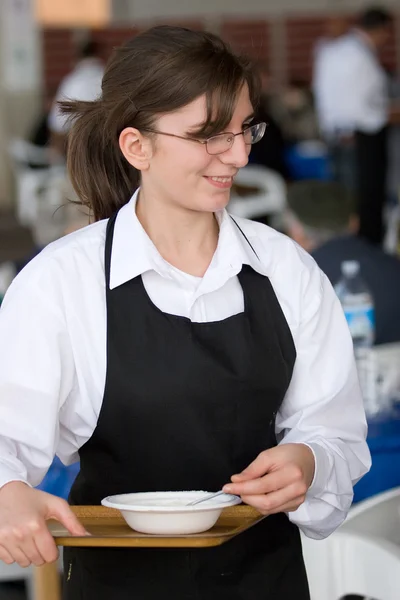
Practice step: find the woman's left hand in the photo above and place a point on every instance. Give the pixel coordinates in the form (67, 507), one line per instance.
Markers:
(277, 480)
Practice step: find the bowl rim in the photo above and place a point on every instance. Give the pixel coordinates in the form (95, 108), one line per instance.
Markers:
(215, 504)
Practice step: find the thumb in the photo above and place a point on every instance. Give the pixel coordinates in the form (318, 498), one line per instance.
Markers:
(258, 468)
(60, 510)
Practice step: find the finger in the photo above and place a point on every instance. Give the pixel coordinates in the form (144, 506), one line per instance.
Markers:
(31, 552)
(263, 485)
(5, 556)
(60, 510)
(291, 506)
(46, 545)
(259, 467)
(19, 556)
(273, 502)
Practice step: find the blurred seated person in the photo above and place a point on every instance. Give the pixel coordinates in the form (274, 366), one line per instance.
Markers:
(40, 133)
(83, 83)
(270, 151)
(321, 218)
(293, 108)
(39, 138)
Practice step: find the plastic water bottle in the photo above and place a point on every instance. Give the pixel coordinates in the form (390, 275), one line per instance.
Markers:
(358, 307)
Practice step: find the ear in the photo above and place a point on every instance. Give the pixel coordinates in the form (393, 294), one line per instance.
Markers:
(136, 148)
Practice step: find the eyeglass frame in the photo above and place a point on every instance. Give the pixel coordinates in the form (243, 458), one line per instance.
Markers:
(205, 142)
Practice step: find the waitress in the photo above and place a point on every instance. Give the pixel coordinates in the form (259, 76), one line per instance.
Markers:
(170, 346)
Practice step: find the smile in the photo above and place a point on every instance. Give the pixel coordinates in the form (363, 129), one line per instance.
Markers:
(222, 179)
(220, 182)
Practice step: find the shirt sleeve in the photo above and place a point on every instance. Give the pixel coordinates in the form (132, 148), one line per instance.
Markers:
(323, 408)
(36, 376)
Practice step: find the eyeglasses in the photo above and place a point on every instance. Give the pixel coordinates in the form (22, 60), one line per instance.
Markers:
(222, 142)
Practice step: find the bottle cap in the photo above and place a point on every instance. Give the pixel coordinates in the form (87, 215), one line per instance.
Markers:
(350, 268)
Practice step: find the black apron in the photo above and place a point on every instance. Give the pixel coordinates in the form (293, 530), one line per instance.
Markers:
(186, 405)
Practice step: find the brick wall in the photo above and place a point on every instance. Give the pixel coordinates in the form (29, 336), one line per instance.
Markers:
(301, 36)
(108, 39)
(248, 37)
(58, 57)
(252, 36)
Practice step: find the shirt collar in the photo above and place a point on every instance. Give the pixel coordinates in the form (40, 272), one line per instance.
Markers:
(133, 252)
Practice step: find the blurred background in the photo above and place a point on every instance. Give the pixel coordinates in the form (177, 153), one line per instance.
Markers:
(302, 179)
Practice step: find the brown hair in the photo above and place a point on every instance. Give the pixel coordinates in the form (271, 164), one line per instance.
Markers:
(158, 71)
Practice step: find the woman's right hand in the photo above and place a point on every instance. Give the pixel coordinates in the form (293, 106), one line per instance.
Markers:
(24, 536)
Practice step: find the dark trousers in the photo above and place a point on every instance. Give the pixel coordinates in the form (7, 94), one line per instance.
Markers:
(342, 159)
(371, 170)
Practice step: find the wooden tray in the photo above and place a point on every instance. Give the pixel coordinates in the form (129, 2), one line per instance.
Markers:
(108, 529)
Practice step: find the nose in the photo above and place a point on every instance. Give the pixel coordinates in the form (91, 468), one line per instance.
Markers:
(238, 155)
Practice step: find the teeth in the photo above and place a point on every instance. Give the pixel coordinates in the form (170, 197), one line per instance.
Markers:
(221, 179)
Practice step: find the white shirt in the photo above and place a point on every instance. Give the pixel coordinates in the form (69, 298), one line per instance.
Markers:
(350, 87)
(53, 350)
(83, 83)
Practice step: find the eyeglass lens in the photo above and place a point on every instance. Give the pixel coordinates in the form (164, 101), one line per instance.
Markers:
(224, 141)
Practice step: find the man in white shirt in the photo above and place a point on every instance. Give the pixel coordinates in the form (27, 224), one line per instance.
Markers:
(352, 100)
(83, 83)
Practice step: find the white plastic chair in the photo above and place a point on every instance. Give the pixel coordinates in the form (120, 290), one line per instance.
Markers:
(362, 557)
(271, 200)
(28, 181)
(50, 220)
(25, 153)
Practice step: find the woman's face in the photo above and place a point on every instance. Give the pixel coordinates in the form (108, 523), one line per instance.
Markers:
(182, 172)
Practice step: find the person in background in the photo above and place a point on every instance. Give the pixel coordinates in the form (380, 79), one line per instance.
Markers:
(335, 27)
(40, 133)
(293, 108)
(83, 83)
(321, 218)
(352, 100)
(173, 347)
(270, 151)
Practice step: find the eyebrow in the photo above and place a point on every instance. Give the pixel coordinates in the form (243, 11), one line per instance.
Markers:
(249, 118)
(193, 128)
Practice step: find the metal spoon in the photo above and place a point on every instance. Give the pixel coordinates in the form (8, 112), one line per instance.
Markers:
(208, 497)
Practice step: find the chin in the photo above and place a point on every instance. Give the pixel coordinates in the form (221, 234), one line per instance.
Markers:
(219, 201)
(210, 202)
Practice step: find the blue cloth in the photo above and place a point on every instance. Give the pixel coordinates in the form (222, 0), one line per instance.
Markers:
(384, 444)
(59, 479)
(302, 166)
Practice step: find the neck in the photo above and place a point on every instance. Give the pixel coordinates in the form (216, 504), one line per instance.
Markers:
(368, 39)
(184, 238)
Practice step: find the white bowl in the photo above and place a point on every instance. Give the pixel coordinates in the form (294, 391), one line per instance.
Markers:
(166, 513)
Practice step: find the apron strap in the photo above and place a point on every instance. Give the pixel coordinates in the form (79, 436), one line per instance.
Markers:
(245, 236)
(108, 248)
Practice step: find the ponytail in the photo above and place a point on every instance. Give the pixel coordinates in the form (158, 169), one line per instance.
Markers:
(101, 176)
